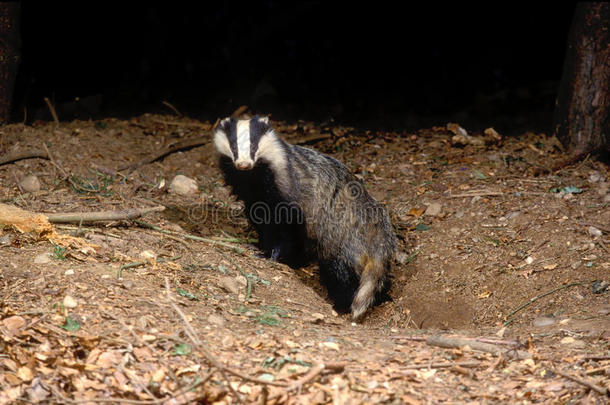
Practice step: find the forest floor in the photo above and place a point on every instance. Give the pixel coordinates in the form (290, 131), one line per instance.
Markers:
(501, 295)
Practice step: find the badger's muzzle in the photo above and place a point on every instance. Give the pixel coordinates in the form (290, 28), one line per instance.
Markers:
(244, 165)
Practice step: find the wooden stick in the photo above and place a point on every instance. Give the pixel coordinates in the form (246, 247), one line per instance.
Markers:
(20, 155)
(534, 299)
(237, 249)
(451, 342)
(188, 144)
(311, 139)
(52, 110)
(171, 107)
(442, 365)
(479, 194)
(582, 381)
(85, 217)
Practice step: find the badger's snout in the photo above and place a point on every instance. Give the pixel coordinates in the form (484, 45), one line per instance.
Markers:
(244, 165)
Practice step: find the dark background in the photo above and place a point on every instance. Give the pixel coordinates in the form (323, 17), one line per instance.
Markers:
(376, 66)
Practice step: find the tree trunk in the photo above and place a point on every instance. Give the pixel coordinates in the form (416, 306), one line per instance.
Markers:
(582, 111)
(10, 44)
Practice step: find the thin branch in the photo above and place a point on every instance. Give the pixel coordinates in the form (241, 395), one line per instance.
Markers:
(536, 298)
(184, 145)
(171, 107)
(582, 381)
(52, 110)
(21, 155)
(453, 342)
(85, 217)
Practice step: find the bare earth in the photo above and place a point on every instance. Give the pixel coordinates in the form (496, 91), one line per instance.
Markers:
(497, 251)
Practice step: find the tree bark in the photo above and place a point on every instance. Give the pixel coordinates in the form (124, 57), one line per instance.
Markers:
(582, 110)
(10, 44)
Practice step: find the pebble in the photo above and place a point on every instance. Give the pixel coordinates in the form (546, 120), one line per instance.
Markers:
(593, 231)
(216, 320)
(148, 254)
(433, 210)
(183, 185)
(70, 302)
(543, 321)
(69, 272)
(575, 265)
(30, 184)
(229, 284)
(570, 341)
(42, 258)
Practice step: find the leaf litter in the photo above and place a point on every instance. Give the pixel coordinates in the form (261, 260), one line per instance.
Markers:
(233, 327)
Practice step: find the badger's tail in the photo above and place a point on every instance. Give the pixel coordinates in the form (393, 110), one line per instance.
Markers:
(372, 280)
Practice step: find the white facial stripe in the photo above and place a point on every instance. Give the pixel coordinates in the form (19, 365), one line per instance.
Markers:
(269, 149)
(222, 144)
(243, 141)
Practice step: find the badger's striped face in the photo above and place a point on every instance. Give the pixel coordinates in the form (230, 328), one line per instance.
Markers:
(244, 141)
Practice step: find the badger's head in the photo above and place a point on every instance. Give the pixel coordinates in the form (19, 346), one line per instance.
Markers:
(247, 141)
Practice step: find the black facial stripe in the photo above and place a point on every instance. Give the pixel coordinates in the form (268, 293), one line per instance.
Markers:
(230, 128)
(257, 129)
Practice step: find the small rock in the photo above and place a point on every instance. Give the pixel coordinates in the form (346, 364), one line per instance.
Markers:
(216, 320)
(543, 321)
(70, 302)
(575, 265)
(570, 341)
(148, 254)
(30, 184)
(183, 185)
(69, 272)
(42, 258)
(5, 240)
(594, 177)
(593, 231)
(13, 323)
(317, 317)
(147, 337)
(606, 198)
(330, 345)
(229, 284)
(433, 210)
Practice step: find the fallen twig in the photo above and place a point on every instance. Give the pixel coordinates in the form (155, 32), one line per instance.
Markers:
(534, 299)
(171, 107)
(479, 194)
(189, 236)
(131, 265)
(184, 145)
(453, 342)
(52, 110)
(582, 381)
(85, 217)
(23, 154)
(442, 365)
(311, 139)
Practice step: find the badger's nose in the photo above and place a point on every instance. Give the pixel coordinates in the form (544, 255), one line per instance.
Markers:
(243, 165)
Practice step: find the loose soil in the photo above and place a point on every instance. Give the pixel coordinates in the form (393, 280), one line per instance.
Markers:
(495, 248)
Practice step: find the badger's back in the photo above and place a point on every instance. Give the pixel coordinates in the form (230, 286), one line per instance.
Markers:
(328, 208)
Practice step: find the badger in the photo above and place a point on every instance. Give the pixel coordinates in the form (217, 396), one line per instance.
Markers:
(306, 205)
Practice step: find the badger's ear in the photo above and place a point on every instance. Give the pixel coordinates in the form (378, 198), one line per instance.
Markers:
(222, 124)
(264, 120)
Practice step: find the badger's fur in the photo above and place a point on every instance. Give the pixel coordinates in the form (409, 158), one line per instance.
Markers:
(303, 205)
